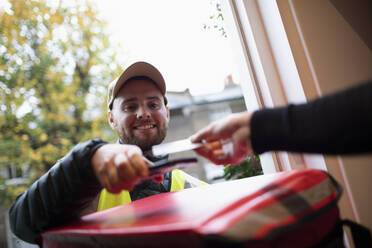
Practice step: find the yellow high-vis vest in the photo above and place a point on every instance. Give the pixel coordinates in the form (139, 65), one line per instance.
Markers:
(108, 200)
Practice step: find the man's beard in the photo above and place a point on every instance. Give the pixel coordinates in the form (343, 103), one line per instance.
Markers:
(144, 144)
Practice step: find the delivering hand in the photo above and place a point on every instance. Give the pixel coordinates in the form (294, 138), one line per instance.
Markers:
(119, 167)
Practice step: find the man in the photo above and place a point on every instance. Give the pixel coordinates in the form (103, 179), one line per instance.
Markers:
(96, 175)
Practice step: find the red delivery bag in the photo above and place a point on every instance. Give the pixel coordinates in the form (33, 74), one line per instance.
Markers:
(287, 209)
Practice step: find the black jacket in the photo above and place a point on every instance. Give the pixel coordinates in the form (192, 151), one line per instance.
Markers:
(340, 123)
(65, 192)
(58, 196)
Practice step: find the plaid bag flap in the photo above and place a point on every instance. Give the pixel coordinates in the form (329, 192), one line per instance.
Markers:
(276, 208)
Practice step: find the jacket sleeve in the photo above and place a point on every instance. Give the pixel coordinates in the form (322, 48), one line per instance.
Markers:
(340, 123)
(58, 196)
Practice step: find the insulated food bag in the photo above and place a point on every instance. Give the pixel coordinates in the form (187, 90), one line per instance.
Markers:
(287, 209)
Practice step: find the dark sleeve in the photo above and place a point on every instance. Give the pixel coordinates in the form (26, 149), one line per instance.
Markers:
(58, 196)
(340, 123)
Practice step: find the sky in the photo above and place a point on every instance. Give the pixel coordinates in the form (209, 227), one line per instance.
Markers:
(170, 35)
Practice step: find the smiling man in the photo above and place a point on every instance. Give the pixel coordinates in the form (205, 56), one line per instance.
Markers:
(96, 175)
(140, 116)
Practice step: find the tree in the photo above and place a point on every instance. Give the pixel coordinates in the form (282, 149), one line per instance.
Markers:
(216, 19)
(55, 64)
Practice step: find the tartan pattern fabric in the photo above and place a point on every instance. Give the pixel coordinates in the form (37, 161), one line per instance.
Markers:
(280, 204)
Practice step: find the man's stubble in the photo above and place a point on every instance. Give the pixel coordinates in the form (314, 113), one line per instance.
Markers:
(148, 142)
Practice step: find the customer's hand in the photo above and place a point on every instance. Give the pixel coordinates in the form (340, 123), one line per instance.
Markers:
(235, 129)
(118, 167)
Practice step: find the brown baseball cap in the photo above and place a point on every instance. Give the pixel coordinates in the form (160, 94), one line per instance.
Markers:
(137, 69)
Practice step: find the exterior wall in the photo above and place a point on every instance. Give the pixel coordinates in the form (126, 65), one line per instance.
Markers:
(331, 56)
(296, 50)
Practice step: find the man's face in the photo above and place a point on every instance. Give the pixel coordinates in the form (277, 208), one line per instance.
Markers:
(139, 115)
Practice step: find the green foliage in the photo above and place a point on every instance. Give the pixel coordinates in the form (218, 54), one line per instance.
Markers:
(55, 63)
(248, 168)
(216, 19)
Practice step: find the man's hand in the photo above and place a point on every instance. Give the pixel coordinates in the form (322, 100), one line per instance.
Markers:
(234, 128)
(119, 167)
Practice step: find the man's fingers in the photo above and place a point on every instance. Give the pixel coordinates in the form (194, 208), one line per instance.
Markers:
(119, 167)
(139, 165)
(121, 164)
(112, 174)
(147, 162)
(105, 182)
(138, 162)
(127, 172)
